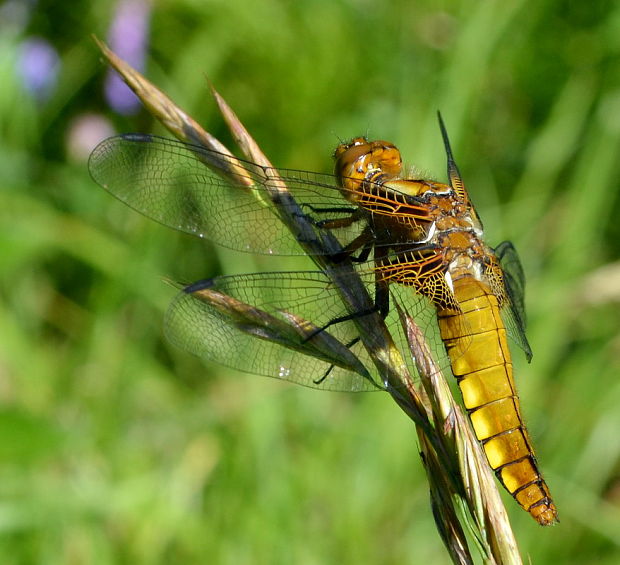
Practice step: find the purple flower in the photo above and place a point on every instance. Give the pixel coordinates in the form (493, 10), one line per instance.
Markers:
(127, 38)
(38, 65)
(84, 132)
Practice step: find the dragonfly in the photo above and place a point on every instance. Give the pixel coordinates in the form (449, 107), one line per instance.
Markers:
(428, 254)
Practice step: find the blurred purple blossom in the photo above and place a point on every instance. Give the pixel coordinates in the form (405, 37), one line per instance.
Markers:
(38, 65)
(127, 38)
(84, 133)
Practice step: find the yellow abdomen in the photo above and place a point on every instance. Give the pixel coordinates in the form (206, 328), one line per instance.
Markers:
(475, 339)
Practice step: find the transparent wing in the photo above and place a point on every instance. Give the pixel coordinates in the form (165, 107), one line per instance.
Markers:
(213, 195)
(514, 281)
(256, 340)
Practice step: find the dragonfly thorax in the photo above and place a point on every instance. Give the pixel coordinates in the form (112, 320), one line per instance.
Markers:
(464, 252)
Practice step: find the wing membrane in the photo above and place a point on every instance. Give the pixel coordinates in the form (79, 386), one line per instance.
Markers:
(195, 323)
(514, 281)
(218, 196)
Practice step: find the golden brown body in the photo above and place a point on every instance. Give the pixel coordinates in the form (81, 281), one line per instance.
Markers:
(424, 234)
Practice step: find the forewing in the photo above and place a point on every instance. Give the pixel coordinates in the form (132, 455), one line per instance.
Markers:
(211, 194)
(513, 313)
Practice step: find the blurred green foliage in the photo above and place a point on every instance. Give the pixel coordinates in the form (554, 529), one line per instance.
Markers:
(117, 448)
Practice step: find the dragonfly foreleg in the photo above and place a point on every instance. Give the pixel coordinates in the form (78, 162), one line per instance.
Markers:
(340, 319)
(364, 241)
(353, 215)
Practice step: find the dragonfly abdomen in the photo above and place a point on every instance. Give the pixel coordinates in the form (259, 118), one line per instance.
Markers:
(475, 339)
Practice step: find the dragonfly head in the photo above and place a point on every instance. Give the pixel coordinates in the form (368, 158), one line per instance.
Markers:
(361, 160)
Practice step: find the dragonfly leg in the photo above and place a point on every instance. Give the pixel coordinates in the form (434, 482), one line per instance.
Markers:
(340, 222)
(353, 216)
(382, 291)
(331, 367)
(322, 379)
(382, 306)
(364, 240)
(341, 319)
(332, 209)
(363, 256)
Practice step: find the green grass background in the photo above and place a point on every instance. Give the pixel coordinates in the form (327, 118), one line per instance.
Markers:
(117, 448)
